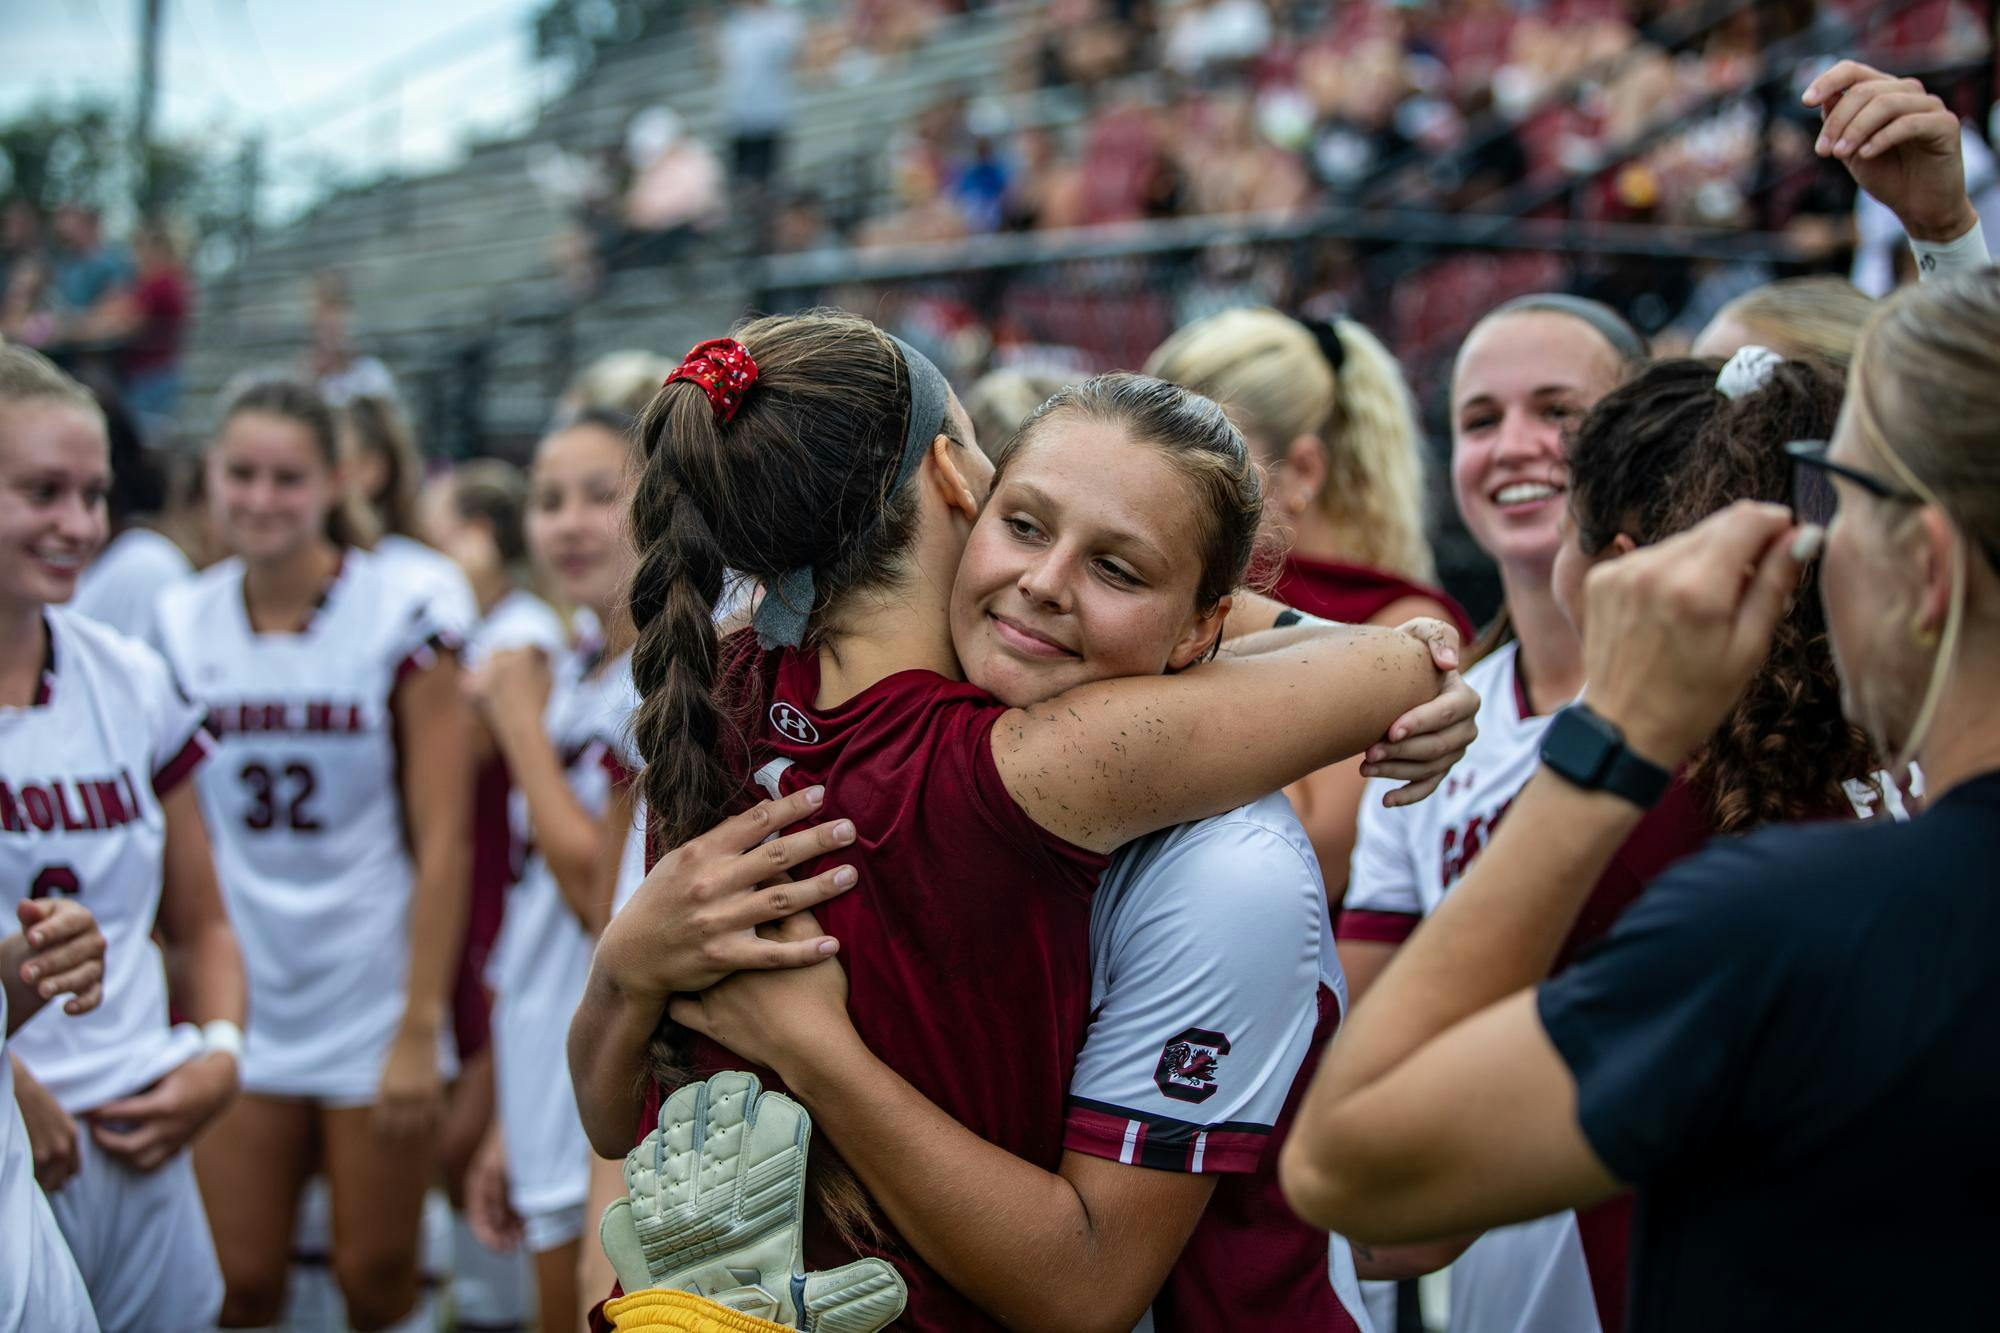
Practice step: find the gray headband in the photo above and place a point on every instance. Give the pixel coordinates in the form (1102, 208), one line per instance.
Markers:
(1611, 326)
(788, 603)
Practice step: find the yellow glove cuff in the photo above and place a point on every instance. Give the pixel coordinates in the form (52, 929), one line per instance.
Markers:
(661, 1311)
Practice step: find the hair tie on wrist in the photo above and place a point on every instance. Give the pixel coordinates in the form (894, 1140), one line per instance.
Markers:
(725, 371)
(1748, 371)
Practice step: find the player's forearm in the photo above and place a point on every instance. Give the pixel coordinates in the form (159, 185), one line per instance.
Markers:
(978, 1214)
(1108, 762)
(205, 973)
(1250, 613)
(608, 1039)
(437, 927)
(566, 834)
(1497, 932)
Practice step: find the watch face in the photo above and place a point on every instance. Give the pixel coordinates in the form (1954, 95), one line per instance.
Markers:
(1578, 745)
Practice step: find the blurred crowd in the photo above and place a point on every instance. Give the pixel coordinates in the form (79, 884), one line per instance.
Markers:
(1114, 112)
(1120, 110)
(110, 311)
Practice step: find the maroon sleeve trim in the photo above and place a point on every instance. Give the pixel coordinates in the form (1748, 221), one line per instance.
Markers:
(614, 766)
(176, 770)
(1361, 923)
(1163, 1145)
(426, 655)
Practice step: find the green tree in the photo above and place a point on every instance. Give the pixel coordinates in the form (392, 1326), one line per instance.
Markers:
(575, 32)
(79, 152)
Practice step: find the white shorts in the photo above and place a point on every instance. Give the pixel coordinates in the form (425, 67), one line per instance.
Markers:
(350, 1077)
(548, 1155)
(141, 1242)
(544, 1231)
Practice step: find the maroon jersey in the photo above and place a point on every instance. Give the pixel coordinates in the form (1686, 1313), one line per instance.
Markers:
(1353, 594)
(496, 864)
(966, 941)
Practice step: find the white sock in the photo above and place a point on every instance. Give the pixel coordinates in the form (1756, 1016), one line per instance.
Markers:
(312, 1298)
(489, 1289)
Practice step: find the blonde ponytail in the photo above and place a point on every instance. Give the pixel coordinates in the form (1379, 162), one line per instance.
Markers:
(1272, 375)
(1375, 458)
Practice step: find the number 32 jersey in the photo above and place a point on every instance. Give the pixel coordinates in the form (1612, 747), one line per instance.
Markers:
(305, 807)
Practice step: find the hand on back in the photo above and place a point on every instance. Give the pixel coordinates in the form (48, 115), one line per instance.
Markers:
(694, 919)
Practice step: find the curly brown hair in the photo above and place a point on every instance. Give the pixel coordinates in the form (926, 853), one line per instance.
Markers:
(1658, 455)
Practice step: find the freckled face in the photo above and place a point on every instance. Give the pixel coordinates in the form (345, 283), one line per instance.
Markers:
(1083, 566)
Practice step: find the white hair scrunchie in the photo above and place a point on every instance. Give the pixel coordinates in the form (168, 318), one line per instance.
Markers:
(1748, 371)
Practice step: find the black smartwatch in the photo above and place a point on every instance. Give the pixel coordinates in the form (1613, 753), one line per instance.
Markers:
(1590, 753)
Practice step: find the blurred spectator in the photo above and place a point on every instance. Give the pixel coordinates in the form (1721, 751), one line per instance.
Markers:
(1213, 36)
(589, 190)
(154, 320)
(676, 191)
(121, 586)
(623, 382)
(1046, 191)
(1083, 43)
(982, 185)
(340, 372)
(801, 224)
(23, 267)
(759, 46)
(89, 276)
(1002, 399)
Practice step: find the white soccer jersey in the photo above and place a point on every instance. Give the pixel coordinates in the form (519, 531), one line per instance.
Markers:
(1529, 1278)
(305, 808)
(435, 574)
(1407, 859)
(40, 1289)
(1213, 979)
(82, 772)
(542, 958)
(518, 620)
(1209, 945)
(122, 587)
(632, 865)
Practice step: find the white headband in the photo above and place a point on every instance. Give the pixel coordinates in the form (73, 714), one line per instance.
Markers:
(1748, 371)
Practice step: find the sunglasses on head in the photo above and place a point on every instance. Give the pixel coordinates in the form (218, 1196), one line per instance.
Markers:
(1814, 499)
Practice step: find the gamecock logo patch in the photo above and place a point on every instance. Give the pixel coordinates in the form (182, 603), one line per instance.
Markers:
(1188, 1065)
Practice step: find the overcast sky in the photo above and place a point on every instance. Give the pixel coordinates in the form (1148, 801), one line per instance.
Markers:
(308, 74)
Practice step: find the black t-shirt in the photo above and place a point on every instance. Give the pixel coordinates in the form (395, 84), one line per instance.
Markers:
(1791, 1047)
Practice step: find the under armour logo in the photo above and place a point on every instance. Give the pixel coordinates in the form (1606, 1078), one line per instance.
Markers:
(792, 723)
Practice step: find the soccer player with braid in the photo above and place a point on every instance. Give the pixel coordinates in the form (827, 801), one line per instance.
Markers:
(841, 477)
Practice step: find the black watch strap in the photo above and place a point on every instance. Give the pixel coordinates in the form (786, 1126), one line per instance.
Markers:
(1590, 752)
